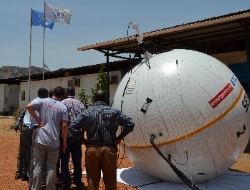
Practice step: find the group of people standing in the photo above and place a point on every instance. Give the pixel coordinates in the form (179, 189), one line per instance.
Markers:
(56, 126)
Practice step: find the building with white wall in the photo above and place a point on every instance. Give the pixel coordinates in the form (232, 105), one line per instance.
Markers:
(225, 37)
(87, 82)
(8, 98)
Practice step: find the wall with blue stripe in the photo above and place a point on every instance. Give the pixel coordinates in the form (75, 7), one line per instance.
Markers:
(241, 71)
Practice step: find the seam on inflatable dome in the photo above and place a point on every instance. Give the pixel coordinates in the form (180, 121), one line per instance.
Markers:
(195, 131)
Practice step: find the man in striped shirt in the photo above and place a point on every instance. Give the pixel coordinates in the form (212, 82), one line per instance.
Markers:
(74, 145)
(101, 123)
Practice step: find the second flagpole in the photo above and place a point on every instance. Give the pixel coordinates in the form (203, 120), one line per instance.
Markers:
(30, 55)
(43, 37)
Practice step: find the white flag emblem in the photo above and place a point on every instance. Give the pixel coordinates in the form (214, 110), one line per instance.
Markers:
(56, 14)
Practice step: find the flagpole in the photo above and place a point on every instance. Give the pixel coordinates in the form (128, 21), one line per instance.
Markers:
(43, 36)
(30, 54)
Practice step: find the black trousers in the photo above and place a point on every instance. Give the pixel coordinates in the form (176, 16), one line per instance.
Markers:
(74, 148)
(24, 152)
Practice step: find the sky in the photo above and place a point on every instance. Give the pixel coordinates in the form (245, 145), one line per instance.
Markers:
(92, 21)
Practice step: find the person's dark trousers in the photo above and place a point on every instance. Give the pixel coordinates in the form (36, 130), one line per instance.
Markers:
(74, 147)
(58, 165)
(26, 151)
(18, 174)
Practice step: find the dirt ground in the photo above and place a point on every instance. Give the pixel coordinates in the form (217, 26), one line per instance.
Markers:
(9, 142)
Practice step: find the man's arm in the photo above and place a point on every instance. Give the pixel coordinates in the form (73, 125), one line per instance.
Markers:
(21, 116)
(76, 125)
(19, 119)
(32, 112)
(128, 126)
(64, 134)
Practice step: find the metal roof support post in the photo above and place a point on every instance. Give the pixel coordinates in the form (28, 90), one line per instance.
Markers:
(248, 60)
(248, 56)
(2, 99)
(107, 67)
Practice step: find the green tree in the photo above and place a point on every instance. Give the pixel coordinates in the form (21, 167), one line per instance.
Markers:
(102, 84)
(83, 97)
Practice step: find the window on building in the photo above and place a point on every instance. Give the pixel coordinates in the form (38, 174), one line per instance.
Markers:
(23, 95)
(70, 82)
(77, 82)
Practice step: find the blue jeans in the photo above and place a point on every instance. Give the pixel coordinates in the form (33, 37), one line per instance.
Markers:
(74, 147)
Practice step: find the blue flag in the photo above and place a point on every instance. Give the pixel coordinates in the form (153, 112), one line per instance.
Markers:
(37, 19)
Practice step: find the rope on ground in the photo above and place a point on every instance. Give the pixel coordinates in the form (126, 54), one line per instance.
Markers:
(179, 173)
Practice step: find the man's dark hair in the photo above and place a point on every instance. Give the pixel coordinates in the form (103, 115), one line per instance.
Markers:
(59, 92)
(100, 95)
(51, 92)
(70, 91)
(43, 93)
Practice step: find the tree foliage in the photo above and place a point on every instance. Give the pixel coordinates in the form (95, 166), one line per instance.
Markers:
(83, 97)
(102, 84)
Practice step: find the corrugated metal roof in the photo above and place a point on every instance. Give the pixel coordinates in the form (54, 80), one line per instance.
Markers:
(224, 33)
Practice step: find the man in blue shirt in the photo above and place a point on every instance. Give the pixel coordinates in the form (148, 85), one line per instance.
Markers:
(101, 123)
(42, 93)
(52, 121)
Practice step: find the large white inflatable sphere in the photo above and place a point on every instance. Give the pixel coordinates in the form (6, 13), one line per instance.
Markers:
(195, 107)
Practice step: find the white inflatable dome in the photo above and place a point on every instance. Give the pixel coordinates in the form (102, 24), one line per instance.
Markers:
(195, 107)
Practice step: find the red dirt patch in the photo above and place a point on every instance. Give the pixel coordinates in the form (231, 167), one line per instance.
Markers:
(9, 142)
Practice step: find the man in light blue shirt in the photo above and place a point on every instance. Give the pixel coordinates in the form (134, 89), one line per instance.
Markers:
(52, 121)
(42, 93)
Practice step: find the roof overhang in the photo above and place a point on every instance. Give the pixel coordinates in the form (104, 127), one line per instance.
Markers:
(10, 81)
(226, 33)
